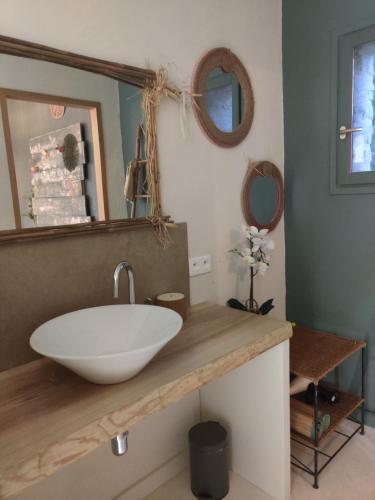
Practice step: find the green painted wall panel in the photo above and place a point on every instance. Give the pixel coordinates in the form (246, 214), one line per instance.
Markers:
(131, 116)
(330, 239)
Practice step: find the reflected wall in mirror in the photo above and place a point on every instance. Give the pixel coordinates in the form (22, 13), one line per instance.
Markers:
(71, 140)
(223, 97)
(263, 195)
(104, 127)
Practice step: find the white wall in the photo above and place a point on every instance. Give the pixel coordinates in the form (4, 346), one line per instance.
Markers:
(259, 437)
(201, 182)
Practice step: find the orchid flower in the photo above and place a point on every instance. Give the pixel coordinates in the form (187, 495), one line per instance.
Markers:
(255, 256)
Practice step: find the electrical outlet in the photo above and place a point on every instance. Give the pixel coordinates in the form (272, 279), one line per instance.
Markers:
(200, 265)
(206, 264)
(194, 267)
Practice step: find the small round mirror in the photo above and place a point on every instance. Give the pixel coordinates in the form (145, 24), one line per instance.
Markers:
(223, 97)
(263, 195)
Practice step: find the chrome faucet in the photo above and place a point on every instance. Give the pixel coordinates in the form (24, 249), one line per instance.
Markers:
(119, 443)
(116, 278)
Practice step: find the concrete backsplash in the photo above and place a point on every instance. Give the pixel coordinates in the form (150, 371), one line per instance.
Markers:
(43, 279)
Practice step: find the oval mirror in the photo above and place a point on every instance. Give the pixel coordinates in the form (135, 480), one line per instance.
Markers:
(224, 102)
(263, 195)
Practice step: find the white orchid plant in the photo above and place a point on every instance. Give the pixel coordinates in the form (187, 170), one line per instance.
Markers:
(255, 255)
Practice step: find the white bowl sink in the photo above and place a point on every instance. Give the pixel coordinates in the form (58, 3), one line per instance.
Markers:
(107, 344)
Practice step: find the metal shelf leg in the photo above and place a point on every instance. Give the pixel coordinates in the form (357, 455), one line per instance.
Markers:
(363, 383)
(316, 437)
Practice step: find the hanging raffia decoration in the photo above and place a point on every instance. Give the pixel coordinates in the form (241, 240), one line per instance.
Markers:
(152, 96)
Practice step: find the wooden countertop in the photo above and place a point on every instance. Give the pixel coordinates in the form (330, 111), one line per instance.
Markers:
(50, 417)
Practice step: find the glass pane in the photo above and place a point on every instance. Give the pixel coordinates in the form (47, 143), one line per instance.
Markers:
(363, 143)
(223, 99)
(263, 198)
(219, 107)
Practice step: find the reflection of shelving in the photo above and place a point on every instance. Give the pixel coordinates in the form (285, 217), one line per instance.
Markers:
(58, 193)
(313, 355)
(139, 172)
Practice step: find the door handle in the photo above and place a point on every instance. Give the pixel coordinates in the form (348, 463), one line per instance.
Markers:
(343, 131)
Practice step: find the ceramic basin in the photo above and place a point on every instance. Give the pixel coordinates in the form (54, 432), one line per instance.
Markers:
(107, 344)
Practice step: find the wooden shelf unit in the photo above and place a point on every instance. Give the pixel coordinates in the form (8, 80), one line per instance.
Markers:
(313, 355)
(340, 411)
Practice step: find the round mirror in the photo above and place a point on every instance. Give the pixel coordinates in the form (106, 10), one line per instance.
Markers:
(263, 195)
(224, 102)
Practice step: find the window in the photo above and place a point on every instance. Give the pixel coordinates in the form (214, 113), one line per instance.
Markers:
(354, 127)
(363, 141)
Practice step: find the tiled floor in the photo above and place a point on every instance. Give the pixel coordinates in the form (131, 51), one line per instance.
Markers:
(179, 489)
(350, 476)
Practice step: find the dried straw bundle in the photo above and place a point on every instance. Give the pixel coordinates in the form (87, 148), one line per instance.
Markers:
(152, 96)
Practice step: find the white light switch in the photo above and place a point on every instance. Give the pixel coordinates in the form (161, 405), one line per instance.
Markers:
(200, 265)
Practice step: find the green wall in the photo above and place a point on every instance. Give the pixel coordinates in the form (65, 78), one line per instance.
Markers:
(131, 116)
(330, 239)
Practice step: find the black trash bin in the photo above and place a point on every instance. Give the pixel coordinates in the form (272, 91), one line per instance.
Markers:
(209, 461)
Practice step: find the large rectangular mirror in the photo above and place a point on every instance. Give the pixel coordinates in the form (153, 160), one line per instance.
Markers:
(71, 140)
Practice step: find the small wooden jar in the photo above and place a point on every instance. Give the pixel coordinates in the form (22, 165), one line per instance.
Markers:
(174, 301)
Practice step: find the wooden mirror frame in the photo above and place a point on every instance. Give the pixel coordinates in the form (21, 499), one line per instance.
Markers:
(256, 169)
(225, 59)
(132, 75)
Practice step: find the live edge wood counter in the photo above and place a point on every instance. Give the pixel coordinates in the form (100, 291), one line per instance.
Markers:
(50, 417)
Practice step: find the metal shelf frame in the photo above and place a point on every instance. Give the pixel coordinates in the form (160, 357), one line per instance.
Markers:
(360, 427)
